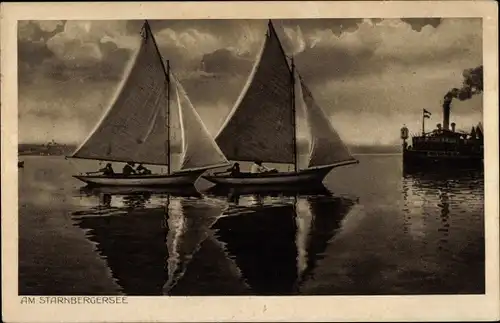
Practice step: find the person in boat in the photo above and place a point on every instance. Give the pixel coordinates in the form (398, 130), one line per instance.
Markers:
(143, 170)
(233, 170)
(258, 168)
(128, 169)
(106, 171)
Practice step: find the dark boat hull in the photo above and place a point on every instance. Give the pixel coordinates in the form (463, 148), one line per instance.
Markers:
(172, 180)
(433, 159)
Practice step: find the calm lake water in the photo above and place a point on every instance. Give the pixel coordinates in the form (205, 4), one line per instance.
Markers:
(373, 231)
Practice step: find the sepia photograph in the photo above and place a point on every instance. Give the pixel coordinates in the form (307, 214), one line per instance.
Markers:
(252, 156)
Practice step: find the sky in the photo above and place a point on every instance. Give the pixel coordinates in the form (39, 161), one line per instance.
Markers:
(370, 75)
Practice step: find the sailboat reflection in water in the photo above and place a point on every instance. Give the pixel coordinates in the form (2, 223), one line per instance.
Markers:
(209, 246)
(268, 248)
(149, 246)
(278, 249)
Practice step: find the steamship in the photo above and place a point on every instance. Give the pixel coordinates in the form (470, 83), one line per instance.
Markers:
(444, 146)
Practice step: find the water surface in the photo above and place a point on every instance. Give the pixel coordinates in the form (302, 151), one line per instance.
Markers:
(373, 231)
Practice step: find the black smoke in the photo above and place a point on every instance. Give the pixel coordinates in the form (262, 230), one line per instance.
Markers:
(472, 85)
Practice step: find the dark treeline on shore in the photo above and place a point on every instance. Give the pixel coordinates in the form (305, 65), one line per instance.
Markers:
(48, 149)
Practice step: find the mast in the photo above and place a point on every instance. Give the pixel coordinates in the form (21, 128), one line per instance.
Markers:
(423, 124)
(166, 70)
(168, 118)
(294, 115)
(272, 30)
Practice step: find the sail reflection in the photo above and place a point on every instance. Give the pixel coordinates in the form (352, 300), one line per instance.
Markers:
(147, 248)
(188, 227)
(277, 246)
(259, 245)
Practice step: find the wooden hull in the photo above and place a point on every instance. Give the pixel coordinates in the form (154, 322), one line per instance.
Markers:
(176, 179)
(304, 177)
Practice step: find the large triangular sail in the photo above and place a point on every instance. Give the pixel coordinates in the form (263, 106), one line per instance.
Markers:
(326, 146)
(261, 125)
(134, 128)
(199, 149)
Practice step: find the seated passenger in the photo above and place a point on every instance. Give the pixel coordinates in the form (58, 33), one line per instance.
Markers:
(128, 169)
(106, 171)
(143, 170)
(234, 170)
(258, 168)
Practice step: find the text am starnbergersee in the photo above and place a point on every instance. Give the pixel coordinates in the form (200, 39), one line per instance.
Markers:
(74, 300)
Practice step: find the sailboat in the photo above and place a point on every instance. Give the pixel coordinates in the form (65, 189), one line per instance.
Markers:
(136, 127)
(262, 124)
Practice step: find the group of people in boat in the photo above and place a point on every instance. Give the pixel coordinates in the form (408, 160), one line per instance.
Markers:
(256, 168)
(130, 169)
(127, 170)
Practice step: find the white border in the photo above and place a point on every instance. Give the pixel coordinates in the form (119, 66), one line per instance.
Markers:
(310, 308)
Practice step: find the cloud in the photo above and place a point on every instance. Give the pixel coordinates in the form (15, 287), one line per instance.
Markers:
(296, 40)
(225, 61)
(337, 26)
(29, 30)
(33, 53)
(418, 23)
(375, 47)
(49, 25)
(194, 42)
(356, 68)
(83, 42)
(453, 37)
(188, 46)
(74, 50)
(213, 89)
(240, 36)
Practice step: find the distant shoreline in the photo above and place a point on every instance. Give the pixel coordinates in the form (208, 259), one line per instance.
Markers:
(55, 149)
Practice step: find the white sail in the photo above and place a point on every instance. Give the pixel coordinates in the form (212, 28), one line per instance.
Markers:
(134, 126)
(199, 148)
(261, 124)
(326, 146)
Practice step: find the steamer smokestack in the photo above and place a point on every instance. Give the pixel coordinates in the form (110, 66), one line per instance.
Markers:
(446, 111)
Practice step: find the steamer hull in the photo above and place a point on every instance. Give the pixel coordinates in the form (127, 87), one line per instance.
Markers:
(426, 159)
